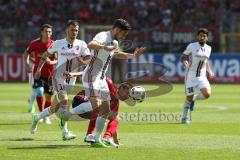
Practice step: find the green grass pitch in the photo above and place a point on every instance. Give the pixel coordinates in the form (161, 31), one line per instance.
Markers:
(214, 133)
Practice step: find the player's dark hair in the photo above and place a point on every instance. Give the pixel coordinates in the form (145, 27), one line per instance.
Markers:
(122, 24)
(202, 30)
(126, 85)
(46, 26)
(72, 23)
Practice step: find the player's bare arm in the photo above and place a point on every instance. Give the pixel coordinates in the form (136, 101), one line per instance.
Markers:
(73, 74)
(124, 55)
(97, 46)
(85, 60)
(209, 70)
(184, 60)
(41, 63)
(27, 60)
(51, 62)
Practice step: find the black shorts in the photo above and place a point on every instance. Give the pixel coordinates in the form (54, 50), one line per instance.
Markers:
(46, 83)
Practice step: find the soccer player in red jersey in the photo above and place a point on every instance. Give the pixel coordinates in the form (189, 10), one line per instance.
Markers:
(44, 84)
(120, 93)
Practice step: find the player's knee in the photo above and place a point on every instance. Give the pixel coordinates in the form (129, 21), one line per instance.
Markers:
(40, 91)
(189, 98)
(207, 95)
(112, 115)
(95, 102)
(62, 99)
(52, 109)
(55, 108)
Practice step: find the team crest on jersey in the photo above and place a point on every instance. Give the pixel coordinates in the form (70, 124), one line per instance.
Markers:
(77, 48)
(63, 47)
(197, 50)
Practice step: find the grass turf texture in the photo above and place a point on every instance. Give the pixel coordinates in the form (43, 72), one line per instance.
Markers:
(214, 133)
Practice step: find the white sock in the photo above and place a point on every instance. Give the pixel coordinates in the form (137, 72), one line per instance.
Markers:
(186, 107)
(45, 113)
(82, 108)
(32, 97)
(199, 96)
(63, 113)
(65, 129)
(100, 124)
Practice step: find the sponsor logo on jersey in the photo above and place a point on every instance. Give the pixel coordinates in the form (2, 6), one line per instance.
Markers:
(68, 54)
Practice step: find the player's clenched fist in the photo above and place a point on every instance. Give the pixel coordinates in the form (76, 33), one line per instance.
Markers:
(185, 64)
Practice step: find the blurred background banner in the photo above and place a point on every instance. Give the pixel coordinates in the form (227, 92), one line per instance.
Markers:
(12, 68)
(225, 67)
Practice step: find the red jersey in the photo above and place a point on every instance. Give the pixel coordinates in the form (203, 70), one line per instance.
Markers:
(38, 47)
(114, 103)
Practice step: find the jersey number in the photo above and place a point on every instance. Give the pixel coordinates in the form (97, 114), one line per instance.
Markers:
(190, 90)
(61, 86)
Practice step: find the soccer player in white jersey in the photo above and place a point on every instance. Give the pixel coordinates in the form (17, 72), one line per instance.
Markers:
(104, 47)
(71, 53)
(195, 60)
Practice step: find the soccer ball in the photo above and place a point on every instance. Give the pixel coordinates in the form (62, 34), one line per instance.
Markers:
(138, 94)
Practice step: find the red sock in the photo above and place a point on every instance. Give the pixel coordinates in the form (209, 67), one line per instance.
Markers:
(47, 104)
(92, 121)
(111, 128)
(40, 103)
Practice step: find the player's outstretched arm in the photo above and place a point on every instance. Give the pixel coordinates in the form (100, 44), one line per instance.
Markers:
(51, 62)
(41, 63)
(124, 55)
(97, 46)
(72, 74)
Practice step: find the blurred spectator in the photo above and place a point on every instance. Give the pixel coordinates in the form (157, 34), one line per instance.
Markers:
(145, 12)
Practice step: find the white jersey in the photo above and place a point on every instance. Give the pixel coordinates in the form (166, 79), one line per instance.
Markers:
(65, 52)
(67, 60)
(198, 58)
(98, 66)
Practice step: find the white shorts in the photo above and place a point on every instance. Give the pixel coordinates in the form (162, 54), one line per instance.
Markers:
(62, 84)
(97, 88)
(194, 84)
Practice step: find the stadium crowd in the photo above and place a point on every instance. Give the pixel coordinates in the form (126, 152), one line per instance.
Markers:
(19, 17)
(141, 13)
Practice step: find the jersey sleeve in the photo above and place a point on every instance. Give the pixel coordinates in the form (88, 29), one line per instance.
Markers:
(112, 88)
(188, 50)
(208, 54)
(100, 38)
(84, 50)
(210, 50)
(30, 48)
(53, 48)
